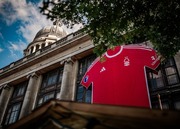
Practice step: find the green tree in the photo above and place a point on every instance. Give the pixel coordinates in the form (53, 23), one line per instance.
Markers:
(114, 22)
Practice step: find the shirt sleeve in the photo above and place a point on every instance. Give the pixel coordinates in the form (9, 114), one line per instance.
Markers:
(90, 74)
(86, 80)
(151, 59)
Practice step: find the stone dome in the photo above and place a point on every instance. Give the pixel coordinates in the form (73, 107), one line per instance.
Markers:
(50, 30)
(45, 37)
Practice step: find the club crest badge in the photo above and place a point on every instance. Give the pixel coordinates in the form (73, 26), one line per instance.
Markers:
(126, 61)
(86, 79)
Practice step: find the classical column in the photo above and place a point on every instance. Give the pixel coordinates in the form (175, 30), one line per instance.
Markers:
(36, 90)
(40, 46)
(29, 51)
(30, 95)
(66, 92)
(34, 49)
(75, 73)
(4, 99)
(46, 44)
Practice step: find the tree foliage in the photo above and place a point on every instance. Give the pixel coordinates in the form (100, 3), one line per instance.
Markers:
(114, 22)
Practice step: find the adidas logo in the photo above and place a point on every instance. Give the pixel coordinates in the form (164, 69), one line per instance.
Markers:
(102, 69)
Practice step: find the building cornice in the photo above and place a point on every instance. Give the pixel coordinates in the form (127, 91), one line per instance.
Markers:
(49, 51)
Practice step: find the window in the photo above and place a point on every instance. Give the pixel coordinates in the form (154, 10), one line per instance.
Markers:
(43, 45)
(167, 76)
(156, 80)
(50, 87)
(84, 95)
(167, 84)
(32, 49)
(46, 97)
(171, 72)
(15, 103)
(19, 91)
(12, 114)
(52, 78)
(37, 47)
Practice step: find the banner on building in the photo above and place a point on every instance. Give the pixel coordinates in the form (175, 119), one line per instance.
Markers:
(121, 78)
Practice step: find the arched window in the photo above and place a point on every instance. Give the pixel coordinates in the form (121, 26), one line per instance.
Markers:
(43, 45)
(37, 47)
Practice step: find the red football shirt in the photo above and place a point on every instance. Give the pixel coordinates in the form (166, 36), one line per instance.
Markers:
(121, 78)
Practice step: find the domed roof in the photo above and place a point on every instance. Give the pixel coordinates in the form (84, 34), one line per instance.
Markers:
(50, 30)
(45, 37)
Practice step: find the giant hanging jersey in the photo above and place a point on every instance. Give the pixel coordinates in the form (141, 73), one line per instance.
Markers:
(121, 78)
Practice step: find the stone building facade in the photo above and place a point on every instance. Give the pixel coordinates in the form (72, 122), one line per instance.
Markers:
(52, 67)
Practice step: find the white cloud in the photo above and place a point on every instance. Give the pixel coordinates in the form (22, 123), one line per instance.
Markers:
(1, 36)
(13, 10)
(19, 46)
(16, 48)
(27, 13)
(30, 20)
(1, 49)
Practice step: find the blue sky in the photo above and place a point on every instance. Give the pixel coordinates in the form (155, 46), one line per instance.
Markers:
(20, 20)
